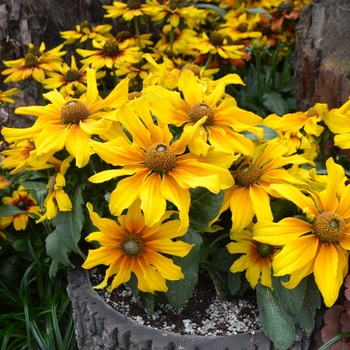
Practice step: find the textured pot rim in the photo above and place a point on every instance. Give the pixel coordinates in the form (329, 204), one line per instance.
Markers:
(99, 326)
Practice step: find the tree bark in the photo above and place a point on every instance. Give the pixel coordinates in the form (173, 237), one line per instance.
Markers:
(322, 56)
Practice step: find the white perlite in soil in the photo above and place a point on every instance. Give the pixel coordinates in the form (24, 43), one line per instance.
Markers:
(205, 313)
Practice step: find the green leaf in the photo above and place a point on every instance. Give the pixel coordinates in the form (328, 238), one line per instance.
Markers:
(219, 279)
(312, 301)
(291, 299)
(276, 322)
(10, 210)
(205, 206)
(282, 208)
(275, 103)
(54, 267)
(180, 291)
(215, 8)
(67, 234)
(234, 282)
(21, 245)
(222, 260)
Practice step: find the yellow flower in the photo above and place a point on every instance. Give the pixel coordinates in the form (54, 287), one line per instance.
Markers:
(133, 8)
(24, 201)
(257, 258)
(216, 43)
(84, 31)
(319, 245)
(69, 79)
(256, 178)
(4, 182)
(57, 199)
(70, 124)
(155, 167)
(338, 121)
(35, 63)
(224, 119)
(5, 96)
(173, 12)
(110, 54)
(131, 246)
(22, 156)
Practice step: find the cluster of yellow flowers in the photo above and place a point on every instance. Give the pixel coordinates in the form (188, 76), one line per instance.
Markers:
(180, 131)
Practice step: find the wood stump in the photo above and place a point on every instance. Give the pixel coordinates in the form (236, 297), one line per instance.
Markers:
(322, 56)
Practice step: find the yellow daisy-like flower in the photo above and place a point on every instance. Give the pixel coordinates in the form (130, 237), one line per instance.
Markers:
(143, 40)
(57, 199)
(24, 201)
(224, 119)
(256, 178)
(173, 12)
(22, 156)
(155, 167)
(319, 245)
(4, 183)
(338, 121)
(84, 31)
(265, 4)
(70, 124)
(129, 10)
(216, 43)
(257, 258)
(110, 54)
(35, 63)
(131, 246)
(68, 79)
(5, 96)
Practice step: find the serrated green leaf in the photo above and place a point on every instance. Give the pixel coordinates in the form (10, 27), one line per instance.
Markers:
(312, 301)
(56, 250)
(54, 267)
(70, 223)
(205, 206)
(180, 291)
(275, 103)
(10, 210)
(276, 322)
(291, 299)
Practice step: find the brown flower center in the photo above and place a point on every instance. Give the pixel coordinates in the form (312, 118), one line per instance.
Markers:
(74, 111)
(123, 35)
(174, 4)
(312, 113)
(111, 48)
(133, 95)
(22, 204)
(264, 249)
(134, 4)
(160, 158)
(192, 67)
(200, 110)
(72, 75)
(243, 27)
(216, 38)
(30, 60)
(285, 6)
(85, 24)
(329, 227)
(247, 174)
(132, 245)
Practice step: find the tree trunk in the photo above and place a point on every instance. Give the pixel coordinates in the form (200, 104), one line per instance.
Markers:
(322, 58)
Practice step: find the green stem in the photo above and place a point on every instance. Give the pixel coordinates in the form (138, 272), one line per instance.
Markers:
(258, 71)
(210, 56)
(116, 79)
(40, 90)
(137, 30)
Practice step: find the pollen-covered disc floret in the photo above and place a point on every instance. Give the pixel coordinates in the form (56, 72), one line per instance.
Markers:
(216, 38)
(312, 113)
(160, 158)
(132, 245)
(133, 95)
(264, 249)
(73, 111)
(247, 174)
(72, 75)
(30, 60)
(329, 227)
(111, 47)
(192, 67)
(200, 110)
(134, 4)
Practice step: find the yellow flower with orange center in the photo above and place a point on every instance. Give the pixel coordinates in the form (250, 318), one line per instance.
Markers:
(318, 245)
(157, 168)
(26, 203)
(130, 246)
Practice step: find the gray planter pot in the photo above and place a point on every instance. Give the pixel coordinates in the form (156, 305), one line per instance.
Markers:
(99, 327)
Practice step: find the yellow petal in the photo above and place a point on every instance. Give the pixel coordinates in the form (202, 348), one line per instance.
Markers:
(261, 203)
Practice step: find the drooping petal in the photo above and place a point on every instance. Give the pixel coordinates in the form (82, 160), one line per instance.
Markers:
(261, 203)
